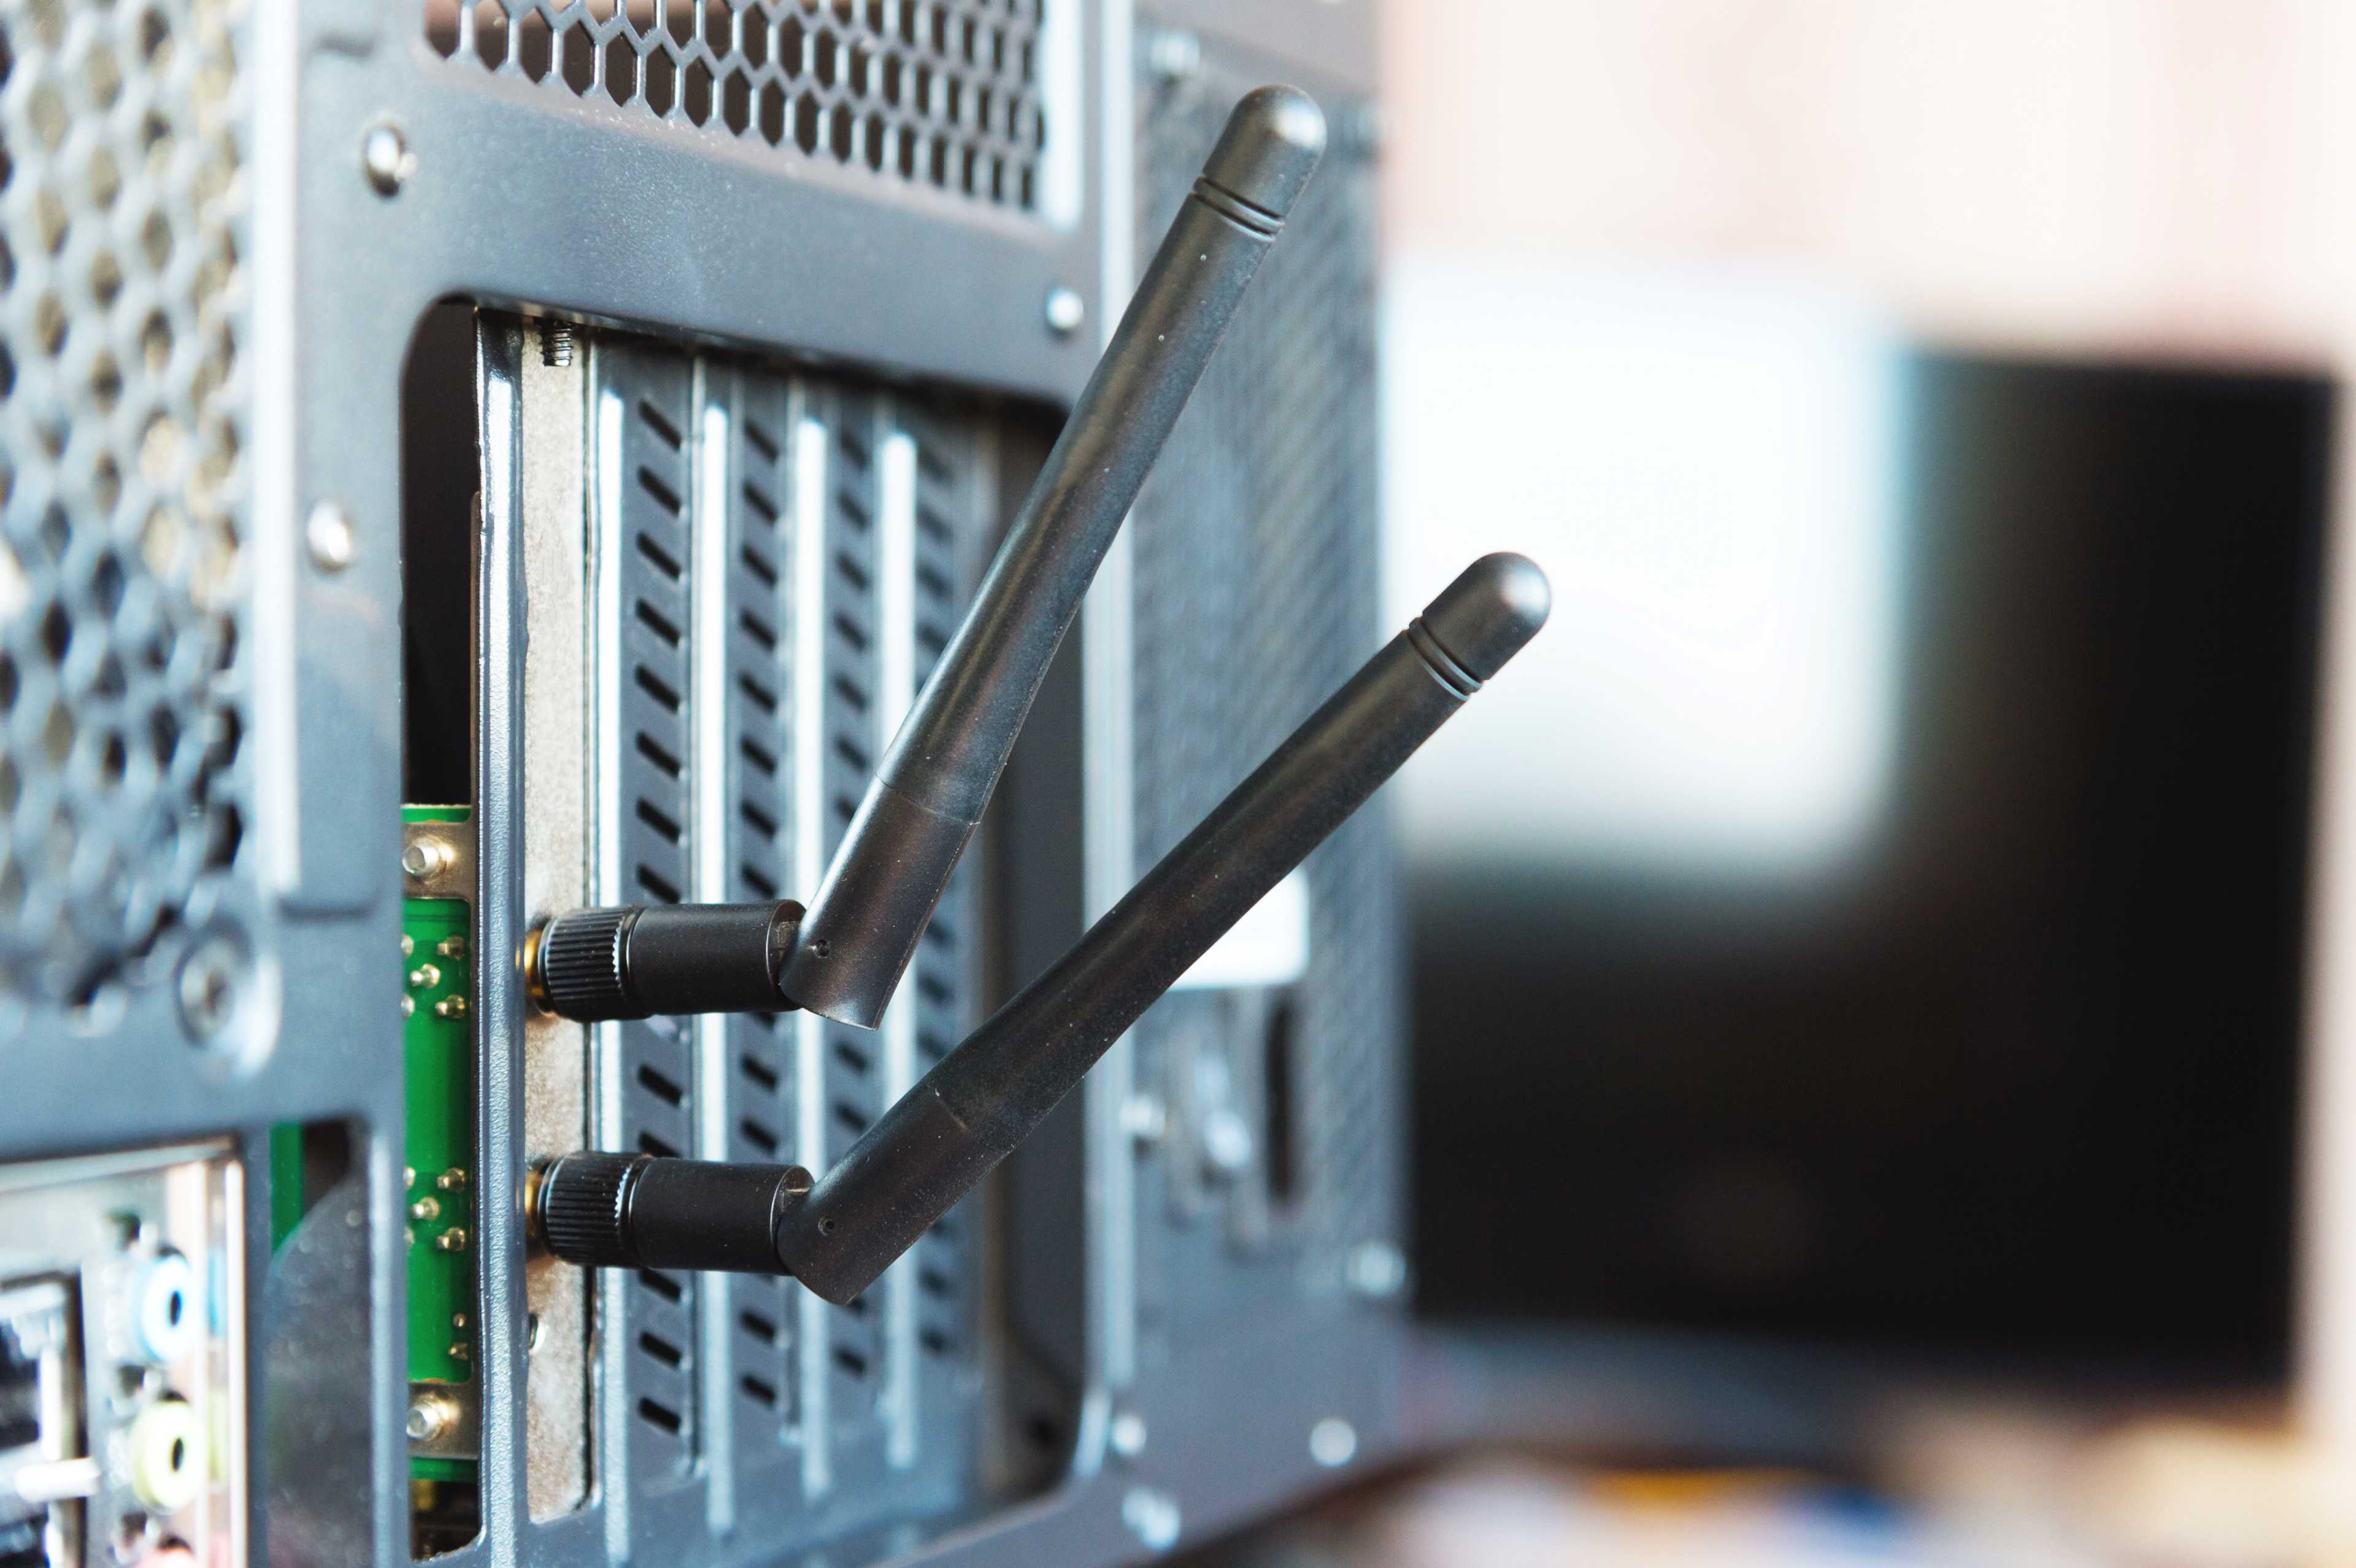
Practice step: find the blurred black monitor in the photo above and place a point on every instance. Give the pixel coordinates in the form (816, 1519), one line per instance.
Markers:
(2017, 1075)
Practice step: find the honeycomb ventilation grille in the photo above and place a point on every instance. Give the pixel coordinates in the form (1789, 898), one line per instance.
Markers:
(941, 93)
(121, 491)
(1256, 561)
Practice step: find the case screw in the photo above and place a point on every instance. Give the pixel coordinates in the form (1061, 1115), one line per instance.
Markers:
(211, 977)
(330, 536)
(386, 159)
(1066, 310)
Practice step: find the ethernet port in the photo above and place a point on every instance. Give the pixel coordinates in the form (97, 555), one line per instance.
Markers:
(39, 1445)
(25, 1543)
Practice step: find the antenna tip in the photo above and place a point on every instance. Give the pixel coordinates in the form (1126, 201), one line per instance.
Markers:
(1496, 605)
(1269, 148)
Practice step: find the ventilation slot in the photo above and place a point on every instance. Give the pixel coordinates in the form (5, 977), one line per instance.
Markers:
(660, 558)
(656, 845)
(765, 1368)
(941, 1301)
(942, 975)
(668, 499)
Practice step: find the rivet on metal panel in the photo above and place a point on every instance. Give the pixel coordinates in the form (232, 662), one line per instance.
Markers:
(1145, 1119)
(1359, 131)
(1066, 310)
(1333, 1443)
(330, 536)
(1378, 1270)
(1174, 54)
(1152, 1515)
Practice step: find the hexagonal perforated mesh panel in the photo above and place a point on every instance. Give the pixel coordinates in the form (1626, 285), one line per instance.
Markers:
(1256, 561)
(120, 407)
(938, 92)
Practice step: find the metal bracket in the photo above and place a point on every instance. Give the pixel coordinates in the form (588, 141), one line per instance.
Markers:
(437, 859)
(445, 1421)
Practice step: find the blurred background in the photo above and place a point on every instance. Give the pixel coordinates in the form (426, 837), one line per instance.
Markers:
(1887, 942)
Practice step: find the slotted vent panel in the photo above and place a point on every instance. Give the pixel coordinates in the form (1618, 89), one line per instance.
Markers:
(939, 93)
(852, 1070)
(122, 492)
(854, 632)
(768, 490)
(757, 738)
(759, 689)
(949, 494)
(652, 391)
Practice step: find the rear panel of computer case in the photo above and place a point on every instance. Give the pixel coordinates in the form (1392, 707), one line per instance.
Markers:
(465, 462)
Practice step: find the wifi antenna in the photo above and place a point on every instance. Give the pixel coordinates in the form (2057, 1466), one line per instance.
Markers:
(896, 857)
(845, 955)
(635, 1210)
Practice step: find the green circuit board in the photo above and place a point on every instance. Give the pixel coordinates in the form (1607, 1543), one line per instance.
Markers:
(438, 1072)
(438, 1075)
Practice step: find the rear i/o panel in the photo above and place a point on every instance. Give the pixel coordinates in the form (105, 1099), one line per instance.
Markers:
(122, 1371)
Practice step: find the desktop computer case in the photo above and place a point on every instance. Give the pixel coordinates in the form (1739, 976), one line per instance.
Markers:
(775, 301)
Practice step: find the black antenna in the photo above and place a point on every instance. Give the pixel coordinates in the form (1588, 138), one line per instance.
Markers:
(845, 957)
(970, 1111)
(896, 857)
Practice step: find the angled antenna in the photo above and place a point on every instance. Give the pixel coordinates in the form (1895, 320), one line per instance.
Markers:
(845, 956)
(940, 1138)
(896, 858)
